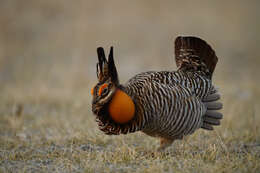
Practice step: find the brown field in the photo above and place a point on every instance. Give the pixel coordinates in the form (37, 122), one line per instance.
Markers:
(47, 67)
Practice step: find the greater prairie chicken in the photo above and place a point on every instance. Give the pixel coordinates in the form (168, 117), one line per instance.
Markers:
(164, 104)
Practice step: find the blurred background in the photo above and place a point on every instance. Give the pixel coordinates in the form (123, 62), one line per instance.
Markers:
(48, 66)
(49, 46)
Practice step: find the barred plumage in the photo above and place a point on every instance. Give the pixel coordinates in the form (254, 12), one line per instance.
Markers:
(167, 104)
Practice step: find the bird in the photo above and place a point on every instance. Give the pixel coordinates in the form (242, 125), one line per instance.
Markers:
(164, 104)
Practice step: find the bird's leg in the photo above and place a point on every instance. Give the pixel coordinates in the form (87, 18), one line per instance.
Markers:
(164, 143)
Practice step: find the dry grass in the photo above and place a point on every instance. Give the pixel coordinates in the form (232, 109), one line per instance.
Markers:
(47, 67)
(55, 131)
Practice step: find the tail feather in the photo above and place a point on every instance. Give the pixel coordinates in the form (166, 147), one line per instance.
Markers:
(194, 54)
(211, 121)
(213, 114)
(207, 126)
(212, 97)
(212, 117)
(213, 105)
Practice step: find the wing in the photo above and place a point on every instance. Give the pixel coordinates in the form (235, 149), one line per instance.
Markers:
(188, 111)
(172, 111)
(188, 117)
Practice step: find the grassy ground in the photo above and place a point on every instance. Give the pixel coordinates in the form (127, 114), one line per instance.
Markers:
(47, 67)
(54, 130)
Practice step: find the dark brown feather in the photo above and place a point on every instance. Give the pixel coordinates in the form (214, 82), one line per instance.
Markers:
(194, 54)
(112, 67)
(101, 63)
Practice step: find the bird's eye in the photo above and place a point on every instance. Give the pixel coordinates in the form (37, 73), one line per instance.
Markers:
(102, 88)
(105, 91)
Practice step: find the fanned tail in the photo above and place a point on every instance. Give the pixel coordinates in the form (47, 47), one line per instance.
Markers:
(212, 117)
(194, 54)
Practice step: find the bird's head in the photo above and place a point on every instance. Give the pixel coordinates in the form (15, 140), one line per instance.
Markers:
(110, 102)
(108, 81)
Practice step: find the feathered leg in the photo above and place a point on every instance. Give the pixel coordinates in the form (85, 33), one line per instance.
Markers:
(164, 143)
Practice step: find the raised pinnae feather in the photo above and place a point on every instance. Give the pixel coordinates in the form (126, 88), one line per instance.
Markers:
(112, 67)
(106, 69)
(101, 71)
(101, 58)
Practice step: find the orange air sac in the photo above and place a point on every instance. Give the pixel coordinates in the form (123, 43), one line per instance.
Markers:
(121, 107)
